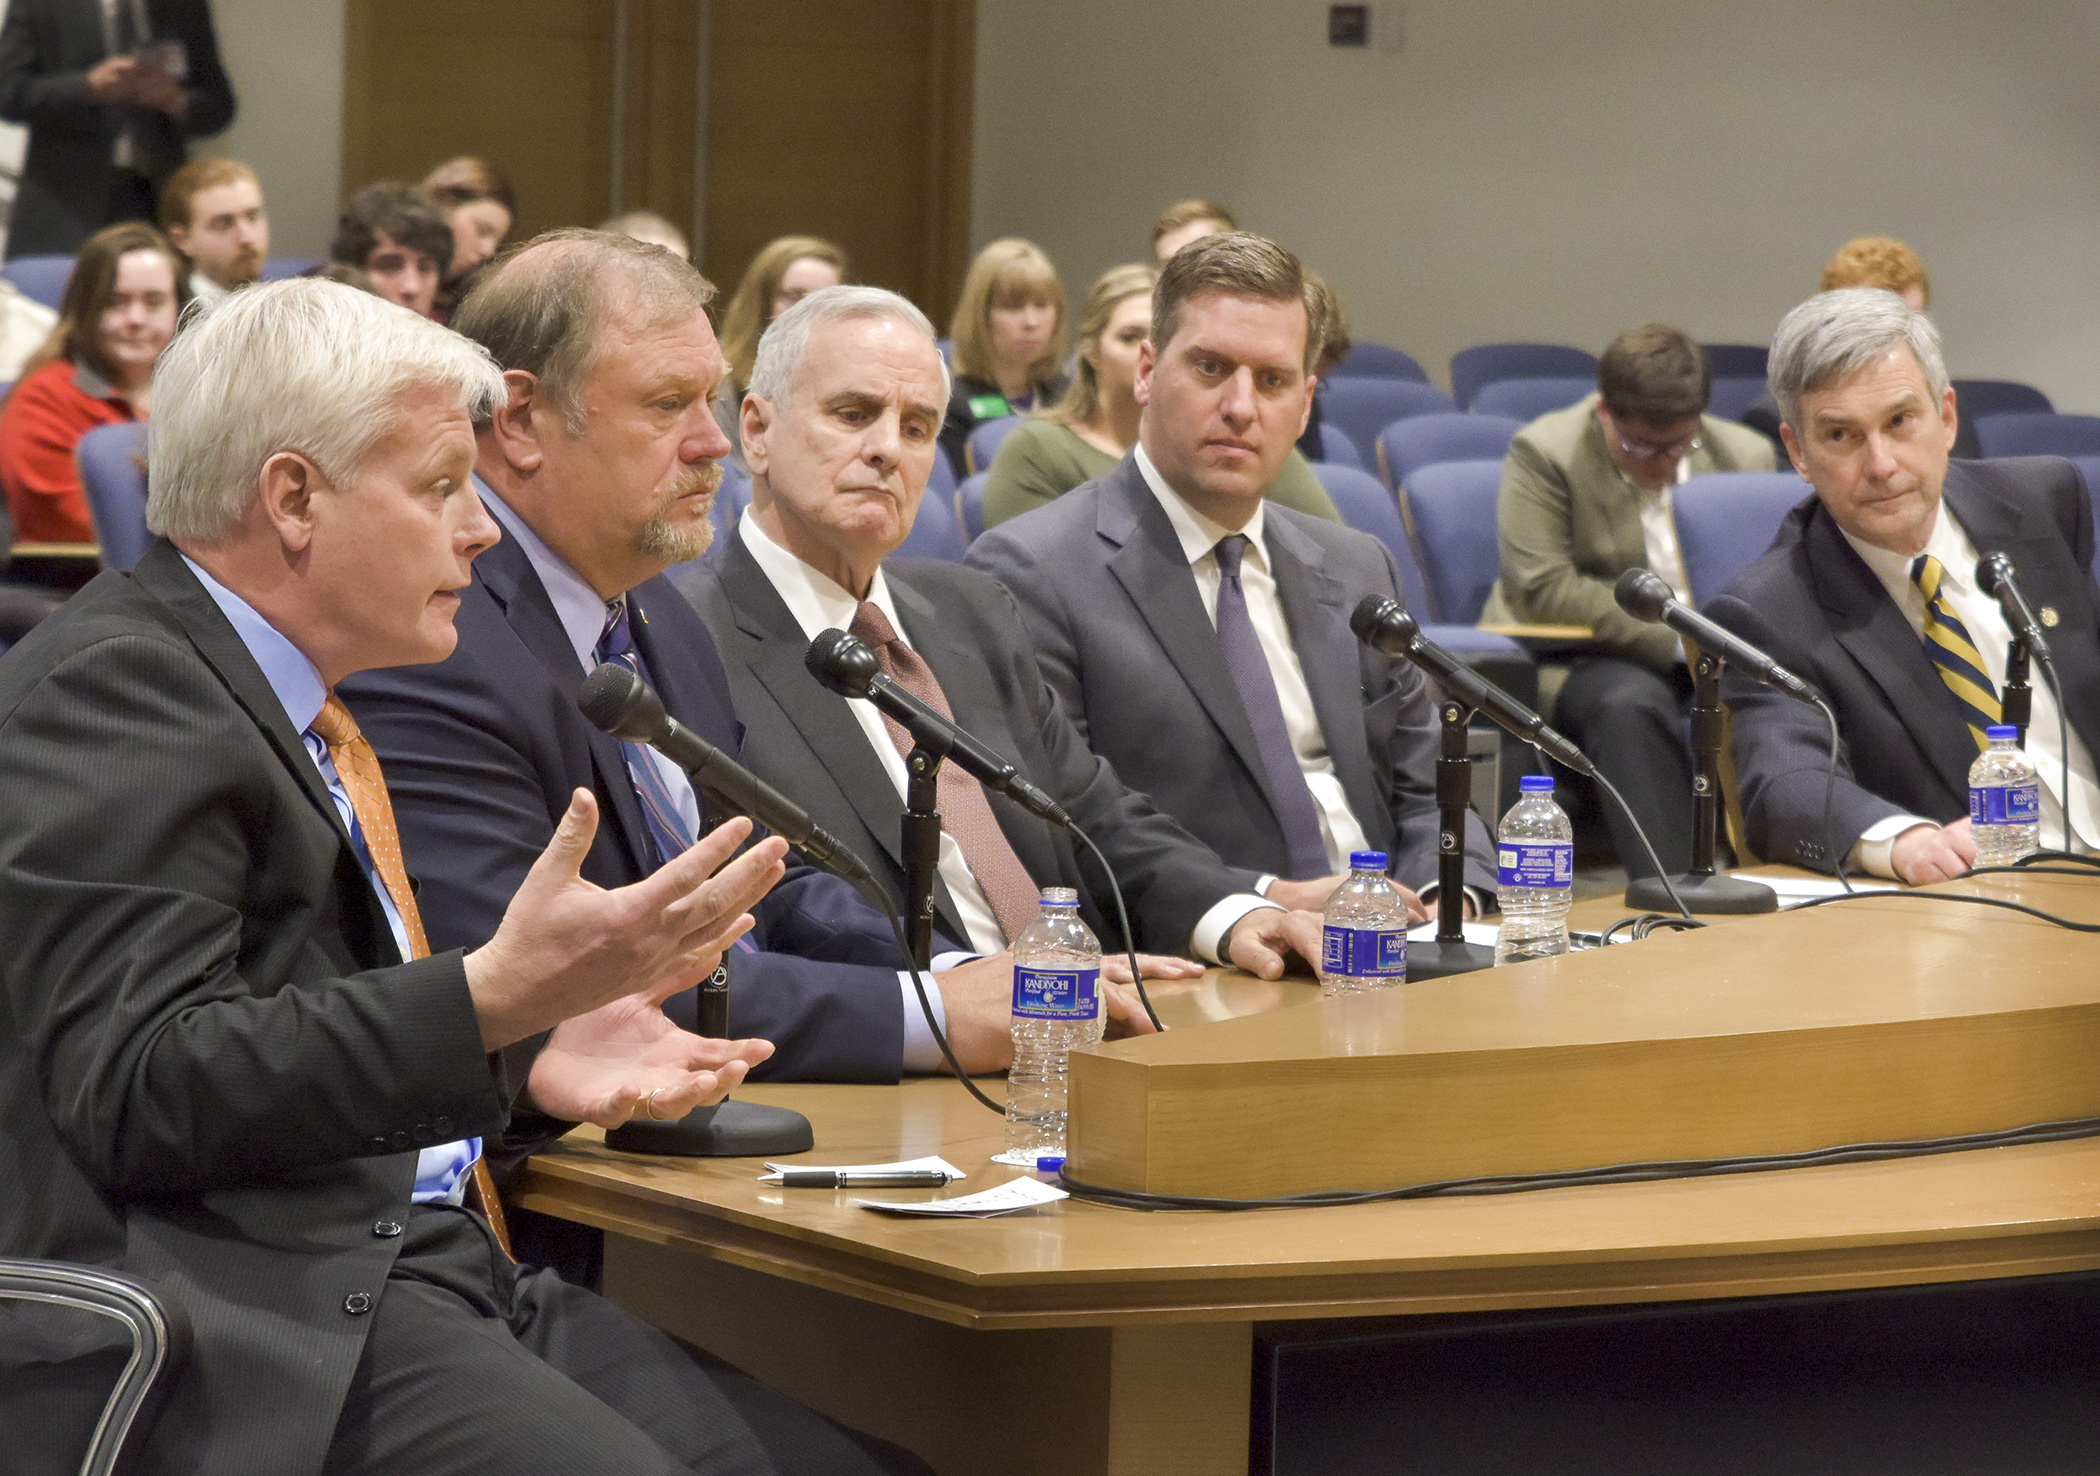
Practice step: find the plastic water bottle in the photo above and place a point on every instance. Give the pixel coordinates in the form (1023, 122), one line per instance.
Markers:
(1535, 876)
(2005, 800)
(1363, 943)
(1057, 1005)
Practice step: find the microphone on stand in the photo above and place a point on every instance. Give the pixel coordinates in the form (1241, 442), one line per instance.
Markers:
(1647, 596)
(1996, 576)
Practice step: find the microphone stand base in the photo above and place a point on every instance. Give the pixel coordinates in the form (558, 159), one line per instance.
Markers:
(725, 1130)
(1433, 960)
(1703, 892)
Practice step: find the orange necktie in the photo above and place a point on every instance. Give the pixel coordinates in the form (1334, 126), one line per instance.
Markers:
(357, 766)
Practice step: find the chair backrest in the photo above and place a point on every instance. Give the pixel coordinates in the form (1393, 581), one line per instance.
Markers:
(277, 268)
(984, 441)
(40, 278)
(1450, 514)
(1406, 446)
(1737, 360)
(2089, 468)
(1976, 398)
(1361, 408)
(731, 498)
(53, 1301)
(1528, 399)
(1735, 393)
(1336, 446)
(937, 532)
(1484, 363)
(1368, 506)
(112, 461)
(1725, 522)
(1380, 361)
(2038, 433)
(969, 505)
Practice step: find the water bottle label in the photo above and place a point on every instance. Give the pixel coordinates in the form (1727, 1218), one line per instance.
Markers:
(2011, 804)
(1551, 864)
(1363, 953)
(1057, 994)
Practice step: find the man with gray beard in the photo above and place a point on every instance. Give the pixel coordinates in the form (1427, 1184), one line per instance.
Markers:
(600, 469)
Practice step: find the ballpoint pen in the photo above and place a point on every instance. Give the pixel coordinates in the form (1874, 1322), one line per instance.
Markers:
(839, 1179)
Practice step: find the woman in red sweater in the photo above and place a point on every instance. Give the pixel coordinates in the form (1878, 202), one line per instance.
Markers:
(128, 287)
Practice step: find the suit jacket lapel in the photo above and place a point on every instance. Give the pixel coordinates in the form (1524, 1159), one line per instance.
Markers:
(1149, 563)
(1317, 607)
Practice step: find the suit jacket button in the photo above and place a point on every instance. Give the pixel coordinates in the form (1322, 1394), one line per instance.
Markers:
(357, 1304)
(444, 1125)
(420, 1132)
(386, 1229)
(379, 1144)
(400, 1140)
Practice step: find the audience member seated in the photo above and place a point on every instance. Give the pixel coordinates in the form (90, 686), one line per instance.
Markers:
(647, 225)
(1186, 221)
(1585, 497)
(781, 275)
(96, 368)
(1868, 261)
(1870, 593)
(212, 209)
(479, 206)
(393, 234)
(24, 325)
(1009, 342)
(1199, 636)
(1332, 324)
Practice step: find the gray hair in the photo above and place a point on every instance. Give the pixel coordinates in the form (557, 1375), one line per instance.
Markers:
(301, 365)
(786, 340)
(1836, 334)
(542, 307)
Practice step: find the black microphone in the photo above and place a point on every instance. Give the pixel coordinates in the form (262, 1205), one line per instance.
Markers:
(845, 665)
(1647, 596)
(625, 706)
(1383, 625)
(1995, 576)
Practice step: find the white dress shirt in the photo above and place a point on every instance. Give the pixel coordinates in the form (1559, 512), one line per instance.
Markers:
(818, 602)
(1986, 625)
(1659, 529)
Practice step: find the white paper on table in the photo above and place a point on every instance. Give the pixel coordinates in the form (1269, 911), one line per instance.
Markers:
(909, 1165)
(1801, 888)
(1476, 932)
(1015, 1194)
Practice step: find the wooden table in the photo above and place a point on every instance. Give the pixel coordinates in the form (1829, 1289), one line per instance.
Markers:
(1082, 1338)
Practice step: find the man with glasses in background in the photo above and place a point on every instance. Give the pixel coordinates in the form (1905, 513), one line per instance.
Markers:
(1585, 497)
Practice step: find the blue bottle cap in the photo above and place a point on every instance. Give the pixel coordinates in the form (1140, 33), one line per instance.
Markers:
(1367, 860)
(1049, 1163)
(1535, 784)
(2001, 732)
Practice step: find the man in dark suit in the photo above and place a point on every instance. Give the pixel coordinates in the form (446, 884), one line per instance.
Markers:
(1870, 593)
(111, 94)
(1199, 638)
(839, 429)
(228, 1062)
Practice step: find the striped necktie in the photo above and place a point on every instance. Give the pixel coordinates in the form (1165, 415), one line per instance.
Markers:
(668, 833)
(1947, 642)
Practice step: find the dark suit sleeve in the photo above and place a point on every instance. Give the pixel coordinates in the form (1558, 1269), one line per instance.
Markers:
(143, 812)
(210, 92)
(32, 91)
(1013, 563)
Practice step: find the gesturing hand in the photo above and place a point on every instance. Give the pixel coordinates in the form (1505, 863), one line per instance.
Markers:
(567, 946)
(625, 1060)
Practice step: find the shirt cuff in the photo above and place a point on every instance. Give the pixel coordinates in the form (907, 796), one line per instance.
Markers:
(1212, 927)
(922, 1053)
(1870, 853)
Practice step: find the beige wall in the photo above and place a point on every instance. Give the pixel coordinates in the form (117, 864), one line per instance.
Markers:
(1563, 171)
(286, 61)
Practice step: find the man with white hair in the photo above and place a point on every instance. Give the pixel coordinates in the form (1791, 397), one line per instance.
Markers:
(841, 429)
(1870, 592)
(230, 1062)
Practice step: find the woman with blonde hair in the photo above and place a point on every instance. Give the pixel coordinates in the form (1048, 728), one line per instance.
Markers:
(1095, 424)
(1009, 336)
(781, 275)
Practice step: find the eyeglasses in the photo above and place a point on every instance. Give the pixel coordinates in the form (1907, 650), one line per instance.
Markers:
(1648, 450)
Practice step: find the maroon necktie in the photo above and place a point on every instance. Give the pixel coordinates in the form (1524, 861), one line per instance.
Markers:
(967, 813)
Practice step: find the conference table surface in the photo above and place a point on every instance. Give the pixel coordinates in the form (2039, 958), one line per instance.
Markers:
(1169, 1300)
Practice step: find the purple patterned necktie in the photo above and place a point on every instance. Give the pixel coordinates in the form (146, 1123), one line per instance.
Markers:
(1257, 685)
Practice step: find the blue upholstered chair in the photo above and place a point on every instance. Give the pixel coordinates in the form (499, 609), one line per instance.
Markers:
(277, 268)
(1406, 446)
(1726, 521)
(112, 462)
(1449, 510)
(1525, 400)
(1737, 360)
(1733, 394)
(40, 278)
(1976, 398)
(1487, 362)
(1361, 408)
(969, 505)
(937, 532)
(984, 441)
(2038, 433)
(1337, 448)
(1380, 361)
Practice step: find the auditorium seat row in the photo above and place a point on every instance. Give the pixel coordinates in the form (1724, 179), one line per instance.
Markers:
(43, 278)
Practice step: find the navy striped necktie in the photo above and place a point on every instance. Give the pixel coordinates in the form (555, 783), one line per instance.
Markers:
(668, 833)
(1952, 651)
